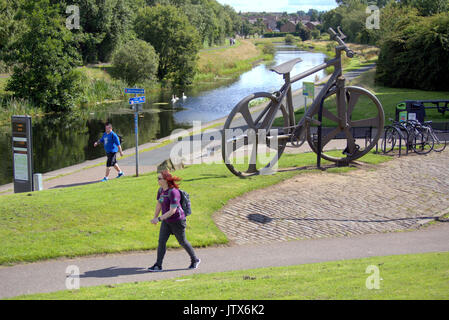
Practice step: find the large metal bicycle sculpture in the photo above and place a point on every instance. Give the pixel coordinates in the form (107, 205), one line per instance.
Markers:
(253, 146)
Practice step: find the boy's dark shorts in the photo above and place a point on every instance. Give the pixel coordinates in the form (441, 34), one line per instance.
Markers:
(111, 159)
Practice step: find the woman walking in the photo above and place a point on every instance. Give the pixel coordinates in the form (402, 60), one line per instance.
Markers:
(173, 219)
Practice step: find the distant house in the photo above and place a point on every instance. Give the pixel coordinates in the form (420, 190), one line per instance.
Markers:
(311, 25)
(270, 20)
(295, 20)
(253, 18)
(304, 19)
(288, 27)
(270, 23)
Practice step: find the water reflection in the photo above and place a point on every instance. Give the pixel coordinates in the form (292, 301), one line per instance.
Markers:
(217, 103)
(63, 140)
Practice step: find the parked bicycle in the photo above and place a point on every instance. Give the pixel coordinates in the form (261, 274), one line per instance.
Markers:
(419, 140)
(252, 144)
(439, 144)
(416, 136)
(427, 138)
(395, 136)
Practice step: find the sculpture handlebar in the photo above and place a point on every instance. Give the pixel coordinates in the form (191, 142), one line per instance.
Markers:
(339, 38)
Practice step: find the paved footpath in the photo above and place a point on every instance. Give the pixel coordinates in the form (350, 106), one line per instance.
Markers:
(114, 269)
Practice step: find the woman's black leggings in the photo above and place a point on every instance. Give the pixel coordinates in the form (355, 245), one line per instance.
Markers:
(178, 228)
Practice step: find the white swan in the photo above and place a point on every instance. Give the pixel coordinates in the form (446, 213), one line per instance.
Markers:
(184, 96)
(173, 99)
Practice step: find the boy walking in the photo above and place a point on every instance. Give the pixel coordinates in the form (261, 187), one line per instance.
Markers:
(111, 145)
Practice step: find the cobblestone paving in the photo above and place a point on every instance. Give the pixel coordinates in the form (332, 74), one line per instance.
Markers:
(393, 196)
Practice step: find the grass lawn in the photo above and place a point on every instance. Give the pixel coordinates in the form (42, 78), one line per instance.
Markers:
(228, 62)
(390, 97)
(115, 216)
(419, 276)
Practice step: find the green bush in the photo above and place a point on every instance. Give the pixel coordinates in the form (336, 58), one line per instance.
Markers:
(268, 48)
(289, 39)
(315, 33)
(93, 89)
(416, 56)
(135, 61)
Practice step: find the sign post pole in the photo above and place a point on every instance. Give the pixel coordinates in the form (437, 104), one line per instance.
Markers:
(305, 104)
(308, 90)
(136, 102)
(136, 133)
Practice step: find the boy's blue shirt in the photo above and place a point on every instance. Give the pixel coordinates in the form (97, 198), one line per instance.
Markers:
(110, 141)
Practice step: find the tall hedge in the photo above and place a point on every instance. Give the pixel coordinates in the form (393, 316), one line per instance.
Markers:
(417, 56)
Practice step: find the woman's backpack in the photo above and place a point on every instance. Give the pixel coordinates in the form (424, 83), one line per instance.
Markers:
(185, 202)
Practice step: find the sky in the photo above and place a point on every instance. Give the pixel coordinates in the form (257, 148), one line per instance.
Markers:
(279, 5)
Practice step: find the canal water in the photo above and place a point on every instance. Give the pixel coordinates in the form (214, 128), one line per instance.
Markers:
(62, 141)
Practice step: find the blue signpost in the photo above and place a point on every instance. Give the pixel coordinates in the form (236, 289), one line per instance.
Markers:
(135, 102)
(135, 91)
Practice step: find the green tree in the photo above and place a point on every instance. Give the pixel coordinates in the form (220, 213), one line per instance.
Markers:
(379, 3)
(351, 17)
(416, 55)
(104, 25)
(354, 21)
(428, 7)
(176, 41)
(10, 28)
(118, 30)
(260, 26)
(45, 57)
(313, 14)
(135, 61)
(303, 31)
(212, 20)
(247, 28)
(281, 22)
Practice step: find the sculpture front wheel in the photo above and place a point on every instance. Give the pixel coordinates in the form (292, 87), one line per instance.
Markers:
(251, 144)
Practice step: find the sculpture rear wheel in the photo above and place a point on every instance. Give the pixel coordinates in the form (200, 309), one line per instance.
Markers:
(250, 143)
(365, 118)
